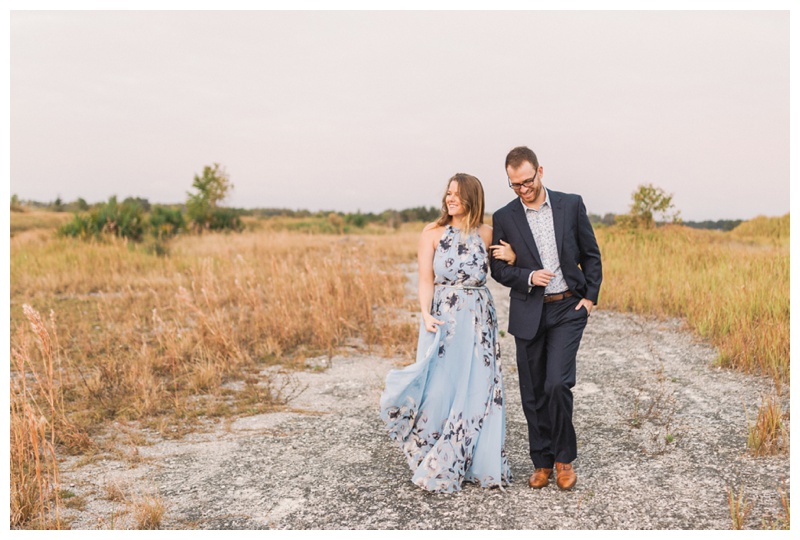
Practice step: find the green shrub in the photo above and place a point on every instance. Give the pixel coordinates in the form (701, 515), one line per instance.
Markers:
(225, 219)
(124, 220)
(166, 222)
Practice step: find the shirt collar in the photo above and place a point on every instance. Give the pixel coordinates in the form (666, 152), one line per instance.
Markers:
(546, 202)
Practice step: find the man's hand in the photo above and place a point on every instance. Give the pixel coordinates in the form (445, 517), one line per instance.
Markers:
(588, 304)
(542, 277)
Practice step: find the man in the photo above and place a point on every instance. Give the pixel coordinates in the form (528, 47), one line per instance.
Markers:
(554, 281)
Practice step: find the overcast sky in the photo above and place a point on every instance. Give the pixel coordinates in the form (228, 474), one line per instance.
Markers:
(374, 110)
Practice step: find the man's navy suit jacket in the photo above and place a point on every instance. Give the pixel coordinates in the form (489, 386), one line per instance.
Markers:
(578, 254)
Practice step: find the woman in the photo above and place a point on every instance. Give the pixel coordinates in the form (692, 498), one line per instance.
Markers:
(447, 409)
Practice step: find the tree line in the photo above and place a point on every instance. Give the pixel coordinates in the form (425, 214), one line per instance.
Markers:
(134, 218)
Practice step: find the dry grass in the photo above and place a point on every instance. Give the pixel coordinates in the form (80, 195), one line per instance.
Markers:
(762, 229)
(113, 491)
(783, 521)
(148, 511)
(732, 289)
(739, 508)
(143, 334)
(26, 221)
(768, 435)
(35, 494)
(735, 295)
(135, 336)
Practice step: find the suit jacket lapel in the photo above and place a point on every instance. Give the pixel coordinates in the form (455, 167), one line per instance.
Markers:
(558, 220)
(518, 212)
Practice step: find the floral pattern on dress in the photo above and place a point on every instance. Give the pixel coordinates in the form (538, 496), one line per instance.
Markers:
(446, 411)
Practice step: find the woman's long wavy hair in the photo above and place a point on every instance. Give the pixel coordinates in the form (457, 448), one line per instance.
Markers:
(470, 191)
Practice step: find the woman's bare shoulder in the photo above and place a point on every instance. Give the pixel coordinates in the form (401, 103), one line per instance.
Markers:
(431, 229)
(431, 234)
(431, 226)
(486, 233)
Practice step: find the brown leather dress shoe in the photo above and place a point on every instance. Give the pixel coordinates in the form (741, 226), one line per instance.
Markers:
(540, 478)
(565, 475)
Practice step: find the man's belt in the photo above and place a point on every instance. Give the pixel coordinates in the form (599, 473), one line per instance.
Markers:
(557, 296)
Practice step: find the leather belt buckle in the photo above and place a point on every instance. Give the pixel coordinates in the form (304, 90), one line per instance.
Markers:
(557, 296)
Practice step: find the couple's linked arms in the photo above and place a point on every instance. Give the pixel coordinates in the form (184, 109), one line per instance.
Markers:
(502, 270)
(522, 279)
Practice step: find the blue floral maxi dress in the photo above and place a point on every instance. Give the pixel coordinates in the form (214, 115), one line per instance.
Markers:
(446, 410)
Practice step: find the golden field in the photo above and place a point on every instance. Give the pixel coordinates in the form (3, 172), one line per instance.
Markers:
(115, 332)
(731, 288)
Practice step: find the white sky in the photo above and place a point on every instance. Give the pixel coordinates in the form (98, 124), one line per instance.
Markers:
(352, 110)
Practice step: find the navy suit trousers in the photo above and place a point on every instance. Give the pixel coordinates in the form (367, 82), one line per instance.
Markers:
(546, 367)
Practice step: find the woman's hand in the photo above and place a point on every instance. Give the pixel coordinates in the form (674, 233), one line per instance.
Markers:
(430, 322)
(504, 252)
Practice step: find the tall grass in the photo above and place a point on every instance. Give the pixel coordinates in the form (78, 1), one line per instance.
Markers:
(38, 424)
(26, 221)
(155, 339)
(141, 330)
(733, 294)
(762, 229)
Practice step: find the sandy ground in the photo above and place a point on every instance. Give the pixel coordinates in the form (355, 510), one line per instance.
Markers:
(661, 437)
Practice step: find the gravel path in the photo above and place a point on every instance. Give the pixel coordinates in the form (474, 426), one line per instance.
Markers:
(329, 465)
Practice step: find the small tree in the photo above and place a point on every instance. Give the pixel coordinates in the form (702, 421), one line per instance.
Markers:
(212, 188)
(203, 207)
(16, 205)
(648, 201)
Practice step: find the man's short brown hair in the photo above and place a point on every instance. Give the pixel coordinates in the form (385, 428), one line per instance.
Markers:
(519, 155)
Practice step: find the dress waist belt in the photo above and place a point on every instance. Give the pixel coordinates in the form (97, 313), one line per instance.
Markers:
(460, 286)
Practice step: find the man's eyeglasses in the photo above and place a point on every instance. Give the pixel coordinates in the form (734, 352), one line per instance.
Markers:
(527, 184)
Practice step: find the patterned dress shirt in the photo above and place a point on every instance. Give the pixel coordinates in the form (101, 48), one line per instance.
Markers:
(541, 224)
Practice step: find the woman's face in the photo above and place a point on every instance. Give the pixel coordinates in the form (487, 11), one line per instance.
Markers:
(453, 201)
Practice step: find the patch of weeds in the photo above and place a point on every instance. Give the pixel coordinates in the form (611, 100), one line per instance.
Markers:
(585, 497)
(89, 459)
(780, 522)
(768, 435)
(739, 508)
(115, 515)
(219, 409)
(113, 492)
(659, 407)
(72, 501)
(149, 512)
(652, 413)
(635, 416)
